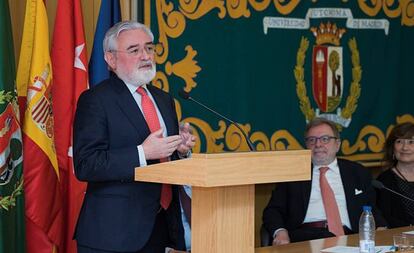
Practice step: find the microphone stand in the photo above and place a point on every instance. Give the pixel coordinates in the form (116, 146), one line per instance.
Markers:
(380, 185)
(187, 96)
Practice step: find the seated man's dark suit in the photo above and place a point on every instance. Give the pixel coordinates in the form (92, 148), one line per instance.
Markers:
(118, 214)
(289, 203)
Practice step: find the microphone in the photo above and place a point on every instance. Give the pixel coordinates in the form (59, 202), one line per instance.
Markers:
(379, 185)
(186, 95)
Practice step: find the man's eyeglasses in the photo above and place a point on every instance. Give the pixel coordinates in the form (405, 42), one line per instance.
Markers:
(404, 141)
(325, 139)
(148, 48)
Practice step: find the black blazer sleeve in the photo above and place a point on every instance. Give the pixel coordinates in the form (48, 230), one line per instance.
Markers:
(380, 221)
(287, 206)
(390, 204)
(276, 211)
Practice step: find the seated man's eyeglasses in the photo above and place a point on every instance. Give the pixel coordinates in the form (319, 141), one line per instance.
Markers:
(135, 51)
(325, 139)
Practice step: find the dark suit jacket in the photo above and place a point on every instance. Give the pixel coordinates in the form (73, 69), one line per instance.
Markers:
(391, 204)
(289, 202)
(118, 214)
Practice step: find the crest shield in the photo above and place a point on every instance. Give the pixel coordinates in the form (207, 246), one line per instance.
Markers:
(327, 76)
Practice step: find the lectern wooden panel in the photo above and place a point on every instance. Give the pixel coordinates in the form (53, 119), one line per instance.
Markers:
(223, 192)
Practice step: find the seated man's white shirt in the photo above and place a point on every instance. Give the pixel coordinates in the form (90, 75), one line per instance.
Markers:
(316, 211)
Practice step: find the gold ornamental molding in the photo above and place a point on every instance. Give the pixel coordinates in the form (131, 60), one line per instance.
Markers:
(172, 20)
(391, 8)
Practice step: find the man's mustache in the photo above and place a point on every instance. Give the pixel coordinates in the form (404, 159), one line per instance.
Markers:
(145, 63)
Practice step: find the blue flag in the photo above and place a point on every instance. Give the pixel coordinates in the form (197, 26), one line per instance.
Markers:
(109, 14)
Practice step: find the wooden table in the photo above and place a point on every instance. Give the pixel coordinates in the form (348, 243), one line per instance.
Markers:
(315, 246)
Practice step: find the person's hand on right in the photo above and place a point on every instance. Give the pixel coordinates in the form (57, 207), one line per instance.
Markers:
(188, 139)
(156, 146)
(282, 237)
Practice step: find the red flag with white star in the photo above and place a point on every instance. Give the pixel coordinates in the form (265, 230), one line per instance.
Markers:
(70, 79)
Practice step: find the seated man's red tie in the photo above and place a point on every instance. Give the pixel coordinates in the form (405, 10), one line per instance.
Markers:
(153, 123)
(329, 202)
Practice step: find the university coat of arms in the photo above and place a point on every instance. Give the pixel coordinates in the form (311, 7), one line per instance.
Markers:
(328, 79)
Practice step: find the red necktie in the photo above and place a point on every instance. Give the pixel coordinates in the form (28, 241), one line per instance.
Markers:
(330, 205)
(153, 123)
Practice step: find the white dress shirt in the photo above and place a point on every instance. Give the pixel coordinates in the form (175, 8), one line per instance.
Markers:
(316, 211)
(137, 98)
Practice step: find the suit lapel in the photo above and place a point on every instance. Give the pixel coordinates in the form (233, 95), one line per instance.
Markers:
(350, 184)
(128, 105)
(130, 108)
(306, 191)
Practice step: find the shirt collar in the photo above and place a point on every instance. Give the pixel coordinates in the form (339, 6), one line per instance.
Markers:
(133, 88)
(332, 166)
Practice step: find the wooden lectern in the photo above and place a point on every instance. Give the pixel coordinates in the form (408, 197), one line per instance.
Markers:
(223, 192)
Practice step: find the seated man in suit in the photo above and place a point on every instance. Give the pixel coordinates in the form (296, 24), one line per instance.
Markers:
(328, 205)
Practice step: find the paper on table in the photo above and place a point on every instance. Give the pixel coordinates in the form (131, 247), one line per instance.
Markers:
(409, 232)
(341, 249)
(348, 249)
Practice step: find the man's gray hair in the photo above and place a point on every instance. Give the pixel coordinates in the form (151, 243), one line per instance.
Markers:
(321, 121)
(111, 36)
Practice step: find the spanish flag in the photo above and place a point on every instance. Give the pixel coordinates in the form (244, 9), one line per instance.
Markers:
(41, 174)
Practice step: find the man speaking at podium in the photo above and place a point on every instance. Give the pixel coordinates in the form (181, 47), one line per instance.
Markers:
(328, 205)
(120, 124)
